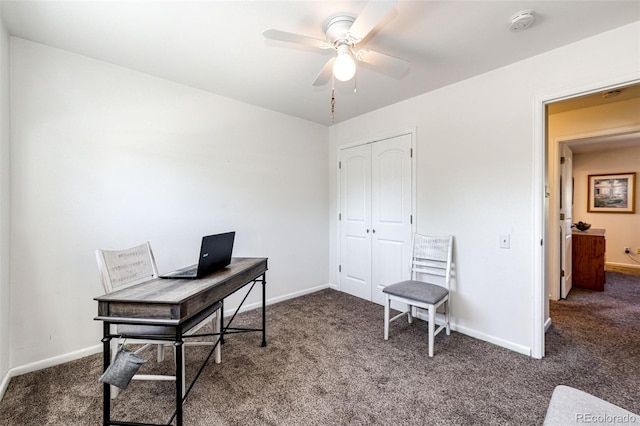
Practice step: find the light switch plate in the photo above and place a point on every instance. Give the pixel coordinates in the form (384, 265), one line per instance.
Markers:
(505, 241)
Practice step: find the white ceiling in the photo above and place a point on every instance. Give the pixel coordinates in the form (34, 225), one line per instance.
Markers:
(218, 46)
(605, 143)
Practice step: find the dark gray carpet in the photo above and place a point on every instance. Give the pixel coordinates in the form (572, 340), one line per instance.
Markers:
(327, 364)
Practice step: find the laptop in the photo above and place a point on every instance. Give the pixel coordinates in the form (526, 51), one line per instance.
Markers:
(215, 254)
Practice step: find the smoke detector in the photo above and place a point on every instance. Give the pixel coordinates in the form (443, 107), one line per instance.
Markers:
(521, 20)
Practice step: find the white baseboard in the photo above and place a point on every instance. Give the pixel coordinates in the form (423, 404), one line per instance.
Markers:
(46, 363)
(81, 353)
(4, 384)
(525, 350)
(56, 360)
(274, 300)
(485, 337)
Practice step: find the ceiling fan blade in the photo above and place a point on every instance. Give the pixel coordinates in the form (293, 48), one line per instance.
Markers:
(390, 65)
(279, 35)
(373, 12)
(325, 73)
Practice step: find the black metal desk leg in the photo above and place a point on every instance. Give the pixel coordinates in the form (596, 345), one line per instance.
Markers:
(106, 360)
(179, 374)
(222, 321)
(264, 314)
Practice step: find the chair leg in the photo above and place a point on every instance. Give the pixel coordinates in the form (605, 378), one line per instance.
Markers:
(410, 313)
(446, 317)
(216, 322)
(387, 302)
(160, 353)
(432, 326)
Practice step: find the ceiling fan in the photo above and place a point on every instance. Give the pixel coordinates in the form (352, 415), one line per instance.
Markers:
(344, 33)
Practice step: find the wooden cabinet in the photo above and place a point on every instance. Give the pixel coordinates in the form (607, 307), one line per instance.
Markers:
(587, 252)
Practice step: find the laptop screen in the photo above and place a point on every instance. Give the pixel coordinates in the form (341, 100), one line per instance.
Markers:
(215, 252)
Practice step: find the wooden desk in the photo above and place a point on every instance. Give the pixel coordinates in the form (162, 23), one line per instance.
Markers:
(587, 251)
(177, 303)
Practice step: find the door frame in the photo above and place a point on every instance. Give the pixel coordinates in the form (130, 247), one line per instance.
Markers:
(541, 193)
(414, 225)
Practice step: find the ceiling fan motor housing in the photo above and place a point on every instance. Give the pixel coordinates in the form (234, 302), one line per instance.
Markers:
(337, 30)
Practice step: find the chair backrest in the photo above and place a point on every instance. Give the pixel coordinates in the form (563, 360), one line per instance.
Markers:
(432, 256)
(122, 268)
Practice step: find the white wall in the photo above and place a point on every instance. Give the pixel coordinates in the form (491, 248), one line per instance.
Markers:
(623, 230)
(101, 157)
(104, 157)
(4, 204)
(475, 177)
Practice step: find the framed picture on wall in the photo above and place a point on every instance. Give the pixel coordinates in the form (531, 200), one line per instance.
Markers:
(612, 193)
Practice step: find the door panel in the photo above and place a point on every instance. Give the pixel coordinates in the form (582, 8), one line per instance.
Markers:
(390, 213)
(566, 209)
(355, 224)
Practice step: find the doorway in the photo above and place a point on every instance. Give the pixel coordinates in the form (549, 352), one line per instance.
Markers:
(582, 131)
(590, 144)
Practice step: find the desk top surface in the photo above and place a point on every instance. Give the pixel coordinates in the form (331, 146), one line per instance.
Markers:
(174, 300)
(167, 290)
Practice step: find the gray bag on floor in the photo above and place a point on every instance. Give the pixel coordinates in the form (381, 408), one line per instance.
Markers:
(124, 366)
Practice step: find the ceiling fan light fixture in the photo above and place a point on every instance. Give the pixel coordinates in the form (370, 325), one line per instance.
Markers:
(344, 67)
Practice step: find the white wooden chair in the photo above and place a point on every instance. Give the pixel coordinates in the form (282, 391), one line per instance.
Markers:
(431, 262)
(123, 268)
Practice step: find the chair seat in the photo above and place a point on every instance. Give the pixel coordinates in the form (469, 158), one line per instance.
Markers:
(418, 291)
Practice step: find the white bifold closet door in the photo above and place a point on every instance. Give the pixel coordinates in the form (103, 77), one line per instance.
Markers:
(375, 216)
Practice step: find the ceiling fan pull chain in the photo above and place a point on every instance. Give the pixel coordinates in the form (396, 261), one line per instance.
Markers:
(333, 97)
(333, 104)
